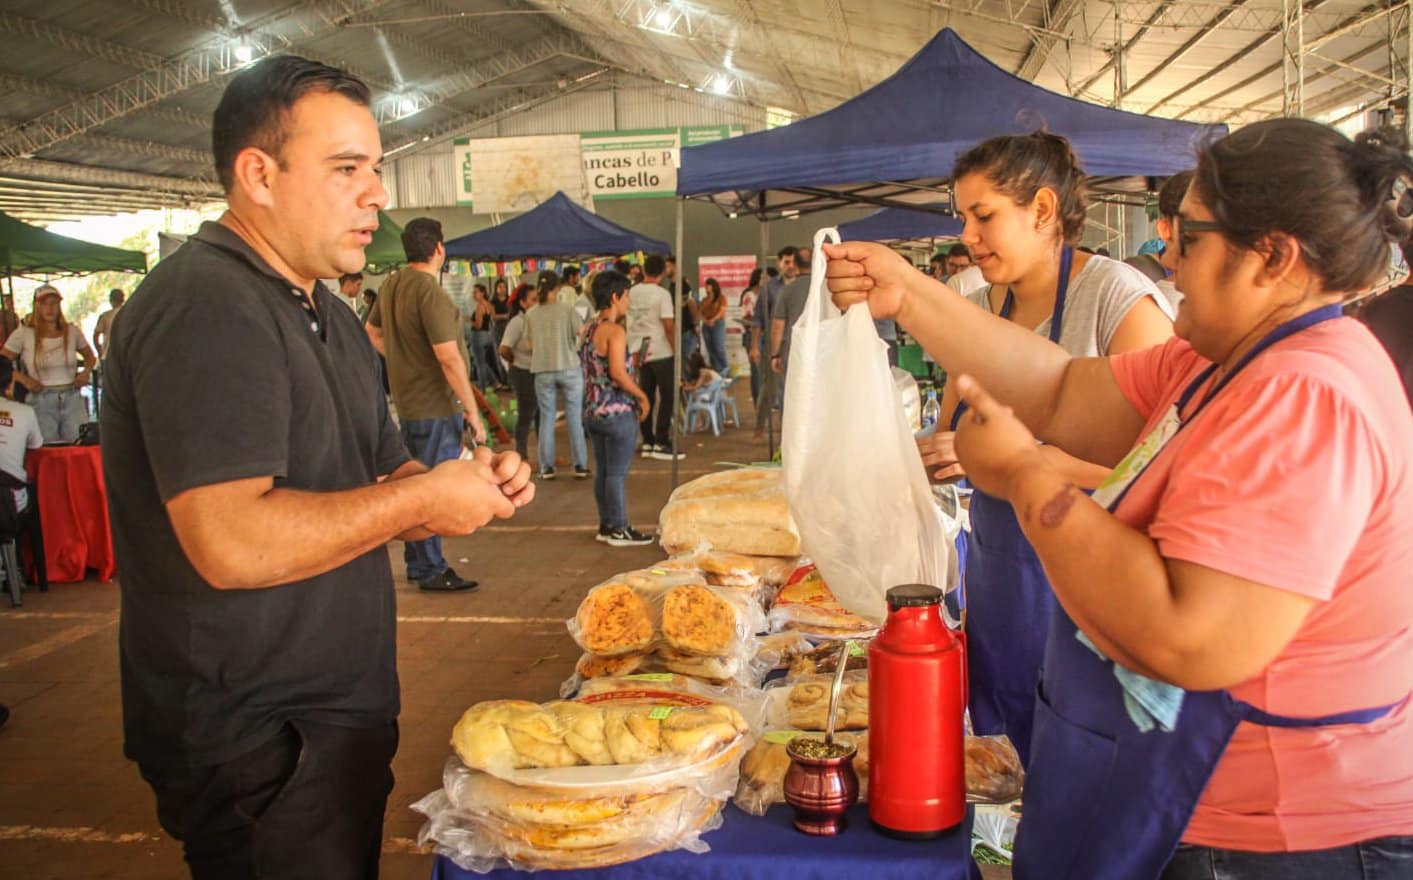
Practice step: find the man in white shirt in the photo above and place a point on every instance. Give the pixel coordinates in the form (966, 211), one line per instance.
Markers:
(19, 432)
(962, 276)
(350, 286)
(651, 319)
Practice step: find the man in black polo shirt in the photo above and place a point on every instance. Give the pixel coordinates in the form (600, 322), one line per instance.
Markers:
(251, 506)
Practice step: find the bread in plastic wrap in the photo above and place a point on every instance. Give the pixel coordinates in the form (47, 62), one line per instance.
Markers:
(806, 604)
(739, 511)
(803, 703)
(993, 770)
(762, 783)
(824, 660)
(595, 815)
(725, 569)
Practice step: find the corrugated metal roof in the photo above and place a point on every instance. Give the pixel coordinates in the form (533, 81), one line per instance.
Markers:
(513, 66)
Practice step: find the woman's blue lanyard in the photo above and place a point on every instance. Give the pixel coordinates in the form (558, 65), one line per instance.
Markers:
(1289, 328)
(1057, 319)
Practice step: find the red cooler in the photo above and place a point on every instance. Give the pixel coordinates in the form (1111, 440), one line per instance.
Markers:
(916, 679)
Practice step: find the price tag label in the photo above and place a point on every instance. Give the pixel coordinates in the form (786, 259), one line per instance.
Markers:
(856, 650)
(782, 737)
(660, 713)
(650, 676)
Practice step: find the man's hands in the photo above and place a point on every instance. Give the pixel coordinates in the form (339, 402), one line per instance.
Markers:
(475, 424)
(470, 493)
(939, 456)
(994, 446)
(872, 273)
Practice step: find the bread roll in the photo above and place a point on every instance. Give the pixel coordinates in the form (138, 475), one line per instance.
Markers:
(808, 705)
(614, 620)
(697, 621)
(594, 666)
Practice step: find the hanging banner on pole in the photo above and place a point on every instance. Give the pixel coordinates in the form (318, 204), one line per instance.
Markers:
(641, 164)
(514, 174)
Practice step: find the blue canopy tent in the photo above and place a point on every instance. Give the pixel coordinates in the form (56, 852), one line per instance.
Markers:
(895, 144)
(903, 225)
(554, 228)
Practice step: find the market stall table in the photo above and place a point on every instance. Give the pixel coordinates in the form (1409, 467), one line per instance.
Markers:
(769, 848)
(67, 482)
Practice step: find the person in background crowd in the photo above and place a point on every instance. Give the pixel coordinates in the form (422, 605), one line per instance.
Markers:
(651, 330)
(691, 309)
(636, 274)
(698, 373)
(254, 478)
(49, 348)
(771, 385)
(517, 298)
(500, 309)
(552, 332)
(480, 341)
(937, 266)
(366, 303)
(1169, 201)
(417, 328)
(19, 433)
(349, 285)
(750, 298)
(791, 306)
(569, 275)
(1023, 199)
(1227, 707)
(515, 348)
(963, 275)
(102, 334)
(370, 302)
(713, 312)
(613, 406)
(582, 297)
(622, 267)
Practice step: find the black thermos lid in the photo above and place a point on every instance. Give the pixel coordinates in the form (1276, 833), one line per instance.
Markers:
(914, 596)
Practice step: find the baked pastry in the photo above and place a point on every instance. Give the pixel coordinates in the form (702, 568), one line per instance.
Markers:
(510, 734)
(713, 669)
(594, 666)
(824, 660)
(807, 603)
(740, 511)
(763, 769)
(808, 705)
(613, 620)
(993, 770)
(737, 570)
(700, 731)
(736, 481)
(697, 621)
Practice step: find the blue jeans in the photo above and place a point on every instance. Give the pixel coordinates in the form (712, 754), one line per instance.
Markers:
(430, 441)
(60, 411)
(614, 438)
(1384, 858)
(485, 362)
(714, 335)
(571, 382)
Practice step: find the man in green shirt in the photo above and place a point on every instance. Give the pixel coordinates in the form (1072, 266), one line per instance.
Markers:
(415, 325)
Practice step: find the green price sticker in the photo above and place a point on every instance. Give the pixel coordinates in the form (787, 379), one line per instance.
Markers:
(650, 676)
(782, 737)
(660, 713)
(856, 650)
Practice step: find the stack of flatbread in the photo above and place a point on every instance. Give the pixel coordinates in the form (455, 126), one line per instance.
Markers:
(619, 775)
(806, 604)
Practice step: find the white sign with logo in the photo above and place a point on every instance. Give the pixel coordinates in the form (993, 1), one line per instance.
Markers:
(514, 174)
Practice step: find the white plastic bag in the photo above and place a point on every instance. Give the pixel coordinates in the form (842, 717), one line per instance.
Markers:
(855, 482)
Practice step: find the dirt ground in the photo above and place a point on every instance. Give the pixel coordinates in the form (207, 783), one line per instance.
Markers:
(71, 806)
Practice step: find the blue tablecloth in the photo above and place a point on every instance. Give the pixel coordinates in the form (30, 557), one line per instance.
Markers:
(769, 848)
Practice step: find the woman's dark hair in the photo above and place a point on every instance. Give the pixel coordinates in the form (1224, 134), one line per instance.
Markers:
(712, 285)
(1344, 201)
(1171, 193)
(694, 366)
(607, 285)
(500, 285)
(254, 109)
(548, 281)
(1019, 165)
(755, 278)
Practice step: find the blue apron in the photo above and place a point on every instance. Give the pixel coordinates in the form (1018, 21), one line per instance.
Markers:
(1103, 800)
(1008, 598)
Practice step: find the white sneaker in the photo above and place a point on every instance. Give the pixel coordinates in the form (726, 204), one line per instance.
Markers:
(648, 450)
(664, 453)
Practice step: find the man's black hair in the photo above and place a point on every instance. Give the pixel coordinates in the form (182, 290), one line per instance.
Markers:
(654, 265)
(420, 238)
(350, 276)
(622, 266)
(254, 109)
(787, 251)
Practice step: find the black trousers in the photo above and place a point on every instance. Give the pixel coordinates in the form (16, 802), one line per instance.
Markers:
(656, 382)
(527, 407)
(307, 805)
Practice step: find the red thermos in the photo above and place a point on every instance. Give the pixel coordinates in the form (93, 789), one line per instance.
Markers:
(916, 778)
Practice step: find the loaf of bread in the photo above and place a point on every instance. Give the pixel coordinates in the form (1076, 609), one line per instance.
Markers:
(738, 570)
(993, 770)
(741, 511)
(697, 621)
(613, 620)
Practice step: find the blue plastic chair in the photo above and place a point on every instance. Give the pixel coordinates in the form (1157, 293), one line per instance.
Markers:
(727, 400)
(705, 402)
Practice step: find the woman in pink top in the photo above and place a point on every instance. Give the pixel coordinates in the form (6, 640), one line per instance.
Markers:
(1226, 691)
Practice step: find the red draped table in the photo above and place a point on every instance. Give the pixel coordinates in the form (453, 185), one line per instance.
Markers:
(67, 482)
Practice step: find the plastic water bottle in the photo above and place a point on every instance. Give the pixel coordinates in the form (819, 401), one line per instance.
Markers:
(931, 413)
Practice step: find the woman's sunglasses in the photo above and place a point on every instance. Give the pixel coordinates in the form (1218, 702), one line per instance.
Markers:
(1185, 226)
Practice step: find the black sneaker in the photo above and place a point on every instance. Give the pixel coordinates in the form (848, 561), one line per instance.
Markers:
(648, 450)
(626, 537)
(547, 474)
(604, 532)
(581, 473)
(446, 582)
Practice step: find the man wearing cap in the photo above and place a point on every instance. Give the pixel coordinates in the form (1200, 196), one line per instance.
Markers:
(49, 349)
(251, 507)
